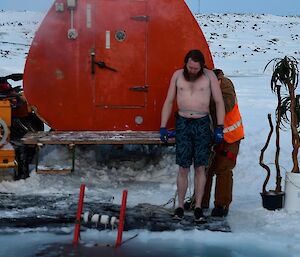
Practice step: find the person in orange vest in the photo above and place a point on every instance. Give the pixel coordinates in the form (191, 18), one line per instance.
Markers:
(224, 159)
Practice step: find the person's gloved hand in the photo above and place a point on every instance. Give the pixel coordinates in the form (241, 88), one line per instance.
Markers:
(171, 133)
(163, 134)
(218, 134)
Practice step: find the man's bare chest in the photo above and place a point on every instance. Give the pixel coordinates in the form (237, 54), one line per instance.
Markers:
(195, 87)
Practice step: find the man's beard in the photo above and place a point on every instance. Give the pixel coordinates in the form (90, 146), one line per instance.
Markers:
(191, 76)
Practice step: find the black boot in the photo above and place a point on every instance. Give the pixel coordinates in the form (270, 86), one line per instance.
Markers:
(198, 216)
(178, 214)
(219, 211)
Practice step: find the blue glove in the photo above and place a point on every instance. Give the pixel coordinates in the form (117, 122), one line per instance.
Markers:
(218, 134)
(163, 134)
(171, 133)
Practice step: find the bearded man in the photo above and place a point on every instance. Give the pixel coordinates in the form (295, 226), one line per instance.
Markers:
(193, 86)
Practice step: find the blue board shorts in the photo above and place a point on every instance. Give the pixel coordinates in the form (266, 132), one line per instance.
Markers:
(193, 141)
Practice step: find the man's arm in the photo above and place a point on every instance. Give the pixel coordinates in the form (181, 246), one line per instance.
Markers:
(168, 104)
(218, 98)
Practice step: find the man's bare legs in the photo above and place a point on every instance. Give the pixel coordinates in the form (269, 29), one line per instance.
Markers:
(199, 185)
(182, 184)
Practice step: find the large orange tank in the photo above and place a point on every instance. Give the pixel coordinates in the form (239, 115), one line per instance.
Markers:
(106, 64)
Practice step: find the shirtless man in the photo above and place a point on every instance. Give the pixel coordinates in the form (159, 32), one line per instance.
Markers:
(193, 86)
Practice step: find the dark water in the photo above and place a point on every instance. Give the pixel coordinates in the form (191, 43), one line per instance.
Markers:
(138, 249)
(146, 244)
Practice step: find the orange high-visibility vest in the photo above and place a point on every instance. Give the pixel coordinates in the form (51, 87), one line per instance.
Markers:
(233, 126)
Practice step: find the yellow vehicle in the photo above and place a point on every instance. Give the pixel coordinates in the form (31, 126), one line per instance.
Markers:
(16, 119)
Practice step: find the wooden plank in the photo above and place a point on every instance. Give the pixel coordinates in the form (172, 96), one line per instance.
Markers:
(54, 171)
(93, 137)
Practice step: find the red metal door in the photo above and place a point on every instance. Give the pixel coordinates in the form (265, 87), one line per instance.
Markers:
(120, 54)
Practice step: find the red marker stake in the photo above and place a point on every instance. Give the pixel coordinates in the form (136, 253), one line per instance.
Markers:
(78, 216)
(122, 219)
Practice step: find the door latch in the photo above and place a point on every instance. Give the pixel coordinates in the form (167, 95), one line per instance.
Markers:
(100, 64)
(140, 88)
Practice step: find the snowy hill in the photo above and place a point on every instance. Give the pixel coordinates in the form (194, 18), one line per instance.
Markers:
(16, 33)
(241, 44)
(244, 43)
(244, 39)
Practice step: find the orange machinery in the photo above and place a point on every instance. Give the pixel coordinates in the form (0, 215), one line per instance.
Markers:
(8, 165)
(105, 65)
(16, 119)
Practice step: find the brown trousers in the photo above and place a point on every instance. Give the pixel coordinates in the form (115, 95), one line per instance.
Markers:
(221, 166)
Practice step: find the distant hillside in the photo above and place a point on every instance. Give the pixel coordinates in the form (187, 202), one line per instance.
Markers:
(248, 38)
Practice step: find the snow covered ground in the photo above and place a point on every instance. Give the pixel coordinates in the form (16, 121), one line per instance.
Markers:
(241, 45)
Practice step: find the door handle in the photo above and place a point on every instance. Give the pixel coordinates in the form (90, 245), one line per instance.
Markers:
(100, 64)
(144, 88)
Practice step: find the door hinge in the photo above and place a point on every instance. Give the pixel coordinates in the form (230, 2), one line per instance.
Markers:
(140, 18)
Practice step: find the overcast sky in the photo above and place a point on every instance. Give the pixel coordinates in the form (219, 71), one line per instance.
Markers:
(278, 7)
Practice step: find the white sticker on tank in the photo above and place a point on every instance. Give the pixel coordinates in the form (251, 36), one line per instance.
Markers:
(107, 40)
(59, 7)
(88, 16)
(71, 4)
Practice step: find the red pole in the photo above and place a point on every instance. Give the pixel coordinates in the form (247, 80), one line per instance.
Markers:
(78, 216)
(122, 218)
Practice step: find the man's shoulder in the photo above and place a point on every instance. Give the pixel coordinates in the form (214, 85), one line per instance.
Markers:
(178, 72)
(210, 75)
(208, 71)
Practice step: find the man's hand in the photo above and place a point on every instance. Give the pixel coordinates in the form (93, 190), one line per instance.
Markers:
(218, 134)
(163, 134)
